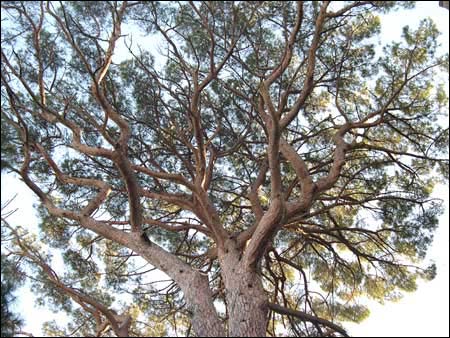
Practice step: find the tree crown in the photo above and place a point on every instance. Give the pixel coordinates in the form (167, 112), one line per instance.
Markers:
(279, 127)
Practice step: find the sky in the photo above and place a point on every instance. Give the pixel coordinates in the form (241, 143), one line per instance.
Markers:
(423, 313)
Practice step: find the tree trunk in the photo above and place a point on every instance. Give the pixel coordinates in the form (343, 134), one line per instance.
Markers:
(246, 299)
(195, 287)
(197, 293)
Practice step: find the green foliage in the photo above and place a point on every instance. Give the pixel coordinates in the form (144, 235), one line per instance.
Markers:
(10, 322)
(8, 146)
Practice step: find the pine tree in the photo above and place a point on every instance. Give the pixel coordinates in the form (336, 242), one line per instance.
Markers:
(221, 168)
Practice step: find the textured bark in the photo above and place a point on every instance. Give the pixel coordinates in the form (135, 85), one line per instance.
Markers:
(199, 302)
(245, 296)
(264, 232)
(195, 286)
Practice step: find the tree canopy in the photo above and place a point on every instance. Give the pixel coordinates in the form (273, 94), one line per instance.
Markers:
(11, 322)
(221, 168)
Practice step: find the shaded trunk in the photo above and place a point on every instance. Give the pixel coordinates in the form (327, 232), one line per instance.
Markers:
(195, 286)
(198, 295)
(124, 330)
(246, 299)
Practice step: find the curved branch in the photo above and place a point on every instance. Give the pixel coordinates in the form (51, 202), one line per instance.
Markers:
(307, 317)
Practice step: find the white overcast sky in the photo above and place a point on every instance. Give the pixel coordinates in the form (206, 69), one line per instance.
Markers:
(424, 313)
